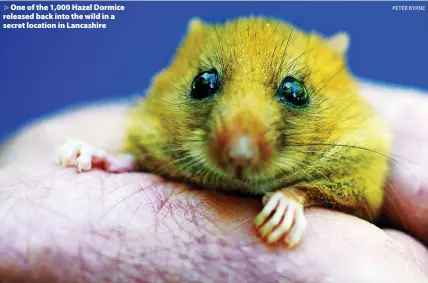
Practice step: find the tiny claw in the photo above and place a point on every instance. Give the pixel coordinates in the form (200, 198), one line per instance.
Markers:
(296, 233)
(266, 198)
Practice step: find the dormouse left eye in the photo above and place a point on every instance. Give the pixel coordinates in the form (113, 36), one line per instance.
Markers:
(205, 84)
(293, 92)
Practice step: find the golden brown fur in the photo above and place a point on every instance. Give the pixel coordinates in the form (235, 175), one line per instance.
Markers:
(332, 152)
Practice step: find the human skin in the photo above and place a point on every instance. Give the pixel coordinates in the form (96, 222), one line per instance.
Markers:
(57, 224)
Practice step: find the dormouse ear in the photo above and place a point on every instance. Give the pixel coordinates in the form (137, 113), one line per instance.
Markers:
(195, 25)
(339, 42)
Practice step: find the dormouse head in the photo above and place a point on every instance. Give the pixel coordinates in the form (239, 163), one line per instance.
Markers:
(245, 99)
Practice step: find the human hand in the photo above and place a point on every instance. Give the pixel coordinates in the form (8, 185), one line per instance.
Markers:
(58, 225)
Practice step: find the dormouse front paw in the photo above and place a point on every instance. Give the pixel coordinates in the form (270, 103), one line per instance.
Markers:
(84, 156)
(79, 154)
(281, 218)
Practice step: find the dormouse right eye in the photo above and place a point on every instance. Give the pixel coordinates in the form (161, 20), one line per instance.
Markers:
(205, 84)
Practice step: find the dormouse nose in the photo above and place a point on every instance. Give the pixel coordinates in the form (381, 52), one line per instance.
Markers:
(242, 151)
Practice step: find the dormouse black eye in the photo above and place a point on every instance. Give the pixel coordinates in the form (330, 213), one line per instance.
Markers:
(293, 92)
(205, 84)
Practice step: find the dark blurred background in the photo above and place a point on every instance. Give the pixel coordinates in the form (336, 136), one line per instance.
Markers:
(44, 70)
